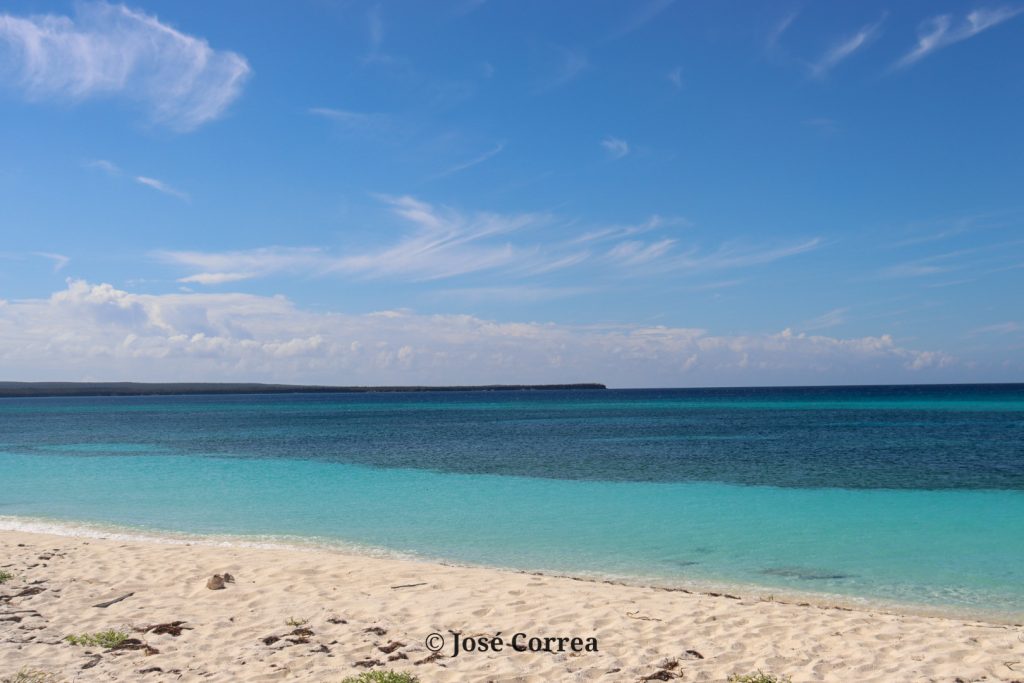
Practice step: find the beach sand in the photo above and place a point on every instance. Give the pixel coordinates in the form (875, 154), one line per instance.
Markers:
(379, 612)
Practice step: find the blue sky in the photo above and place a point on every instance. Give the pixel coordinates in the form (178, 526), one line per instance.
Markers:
(648, 193)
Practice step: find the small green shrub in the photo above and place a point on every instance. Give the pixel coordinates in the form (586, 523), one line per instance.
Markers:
(108, 639)
(759, 677)
(292, 621)
(5, 576)
(30, 676)
(382, 677)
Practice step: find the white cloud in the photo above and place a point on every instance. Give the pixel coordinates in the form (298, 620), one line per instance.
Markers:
(643, 14)
(233, 266)
(443, 242)
(836, 316)
(59, 260)
(496, 150)
(571, 63)
(446, 243)
(939, 31)
(513, 294)
(616, 147)
(161, 186)
(216, 278)
(350, 119)
(845, 48)
(107, 167)
(675, 77)
(99, 331)
(780, 28)
(111, 50)
(637, 252)
(998, 328)
(736, 255)
(375, 27)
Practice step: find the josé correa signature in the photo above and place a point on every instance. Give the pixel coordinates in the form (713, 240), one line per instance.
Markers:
(520, 642)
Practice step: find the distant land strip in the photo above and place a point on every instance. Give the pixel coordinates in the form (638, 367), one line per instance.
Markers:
(29, 389)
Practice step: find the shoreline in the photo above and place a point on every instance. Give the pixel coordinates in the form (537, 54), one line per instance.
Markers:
(704, 587)
(358, 606)
(129, 389)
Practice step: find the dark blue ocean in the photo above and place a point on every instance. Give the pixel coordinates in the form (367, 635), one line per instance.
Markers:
(910, 495)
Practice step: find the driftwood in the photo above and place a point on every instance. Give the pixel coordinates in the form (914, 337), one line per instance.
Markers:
(108, 603)
(637, 615)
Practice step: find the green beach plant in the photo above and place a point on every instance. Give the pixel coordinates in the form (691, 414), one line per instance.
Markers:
(759, 677)
(106, 639)
(292, 621)
(30, 676)
(5, 576)
(382, 677)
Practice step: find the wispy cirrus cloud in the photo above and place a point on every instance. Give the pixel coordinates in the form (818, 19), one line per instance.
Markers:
(375, 27)
(616, 147)
(998, 328)
(112, 169)
(638, 252)
(739, 255)
(446, 243)
(570, 63)
(443, 243)
(470, 163)
(845, 48)
(233, 266)
(351, 119)
(110, 50)
(833, 318)
(780, 28)
(108, 167)
(641, 15)
(978, 260)
(59, 260)
(675, 77)
(940, 31)
(161, 186)
(618, 232)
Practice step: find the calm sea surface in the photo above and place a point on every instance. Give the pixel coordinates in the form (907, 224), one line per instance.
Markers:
(911, 495)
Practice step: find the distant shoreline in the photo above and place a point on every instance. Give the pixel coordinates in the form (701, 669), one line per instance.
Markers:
(58, 389)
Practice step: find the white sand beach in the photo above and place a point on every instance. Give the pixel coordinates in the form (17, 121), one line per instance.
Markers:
(322, 615)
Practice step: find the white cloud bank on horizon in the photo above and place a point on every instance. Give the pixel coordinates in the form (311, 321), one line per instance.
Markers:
(112, 50)
(98, 332)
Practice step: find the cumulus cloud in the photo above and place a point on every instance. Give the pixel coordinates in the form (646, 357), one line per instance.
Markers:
(107, 50)
(98, 331)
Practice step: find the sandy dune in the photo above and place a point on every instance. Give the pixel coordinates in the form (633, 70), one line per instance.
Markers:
(379, 612)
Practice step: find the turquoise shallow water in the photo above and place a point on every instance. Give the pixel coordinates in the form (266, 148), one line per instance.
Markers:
(633, 499)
